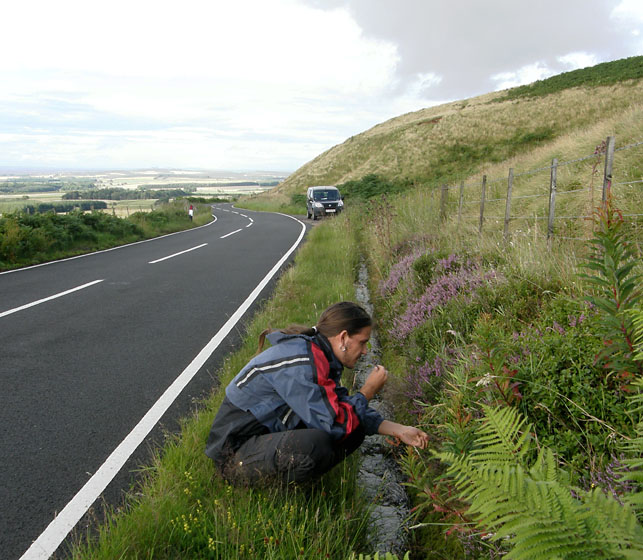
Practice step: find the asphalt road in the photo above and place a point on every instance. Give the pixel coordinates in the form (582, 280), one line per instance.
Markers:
(79, 371)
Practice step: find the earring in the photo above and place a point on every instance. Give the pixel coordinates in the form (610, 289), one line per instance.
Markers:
(343, 348)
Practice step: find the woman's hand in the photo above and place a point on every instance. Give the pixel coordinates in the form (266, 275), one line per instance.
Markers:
(406, 434)
(374, 382)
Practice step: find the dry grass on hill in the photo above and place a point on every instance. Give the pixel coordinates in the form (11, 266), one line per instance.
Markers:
(461, 139)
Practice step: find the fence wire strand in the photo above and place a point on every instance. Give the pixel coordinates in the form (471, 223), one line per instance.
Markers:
(559, 164)
(529, 196)
(545, 192)
(572, 217)
(574, 191)
(629, 146)
(627, 183)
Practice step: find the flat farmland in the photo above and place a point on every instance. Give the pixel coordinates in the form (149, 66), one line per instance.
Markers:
(22, 189)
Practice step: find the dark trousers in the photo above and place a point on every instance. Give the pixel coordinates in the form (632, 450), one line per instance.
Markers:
(291, 456)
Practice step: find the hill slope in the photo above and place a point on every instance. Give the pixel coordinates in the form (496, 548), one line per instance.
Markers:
(460, 139)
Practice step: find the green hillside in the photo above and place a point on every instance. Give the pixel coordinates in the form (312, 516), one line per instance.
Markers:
(562, 117)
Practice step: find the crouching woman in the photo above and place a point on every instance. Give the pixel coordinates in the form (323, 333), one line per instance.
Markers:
(287, 418)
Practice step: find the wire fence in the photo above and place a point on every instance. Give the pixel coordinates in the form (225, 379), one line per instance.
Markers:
(596, 180)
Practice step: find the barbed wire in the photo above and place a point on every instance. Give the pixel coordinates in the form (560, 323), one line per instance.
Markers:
(629, 146)
(513, 218)
(574, 191)
(578, 160)
(572, 217)
(529, 196)
(573, 238)
(627, 183)
(531, 172)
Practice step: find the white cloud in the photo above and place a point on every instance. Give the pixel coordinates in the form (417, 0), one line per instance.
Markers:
(246, 68)
(577, 60)
(214, 42)
(256, 83)
(628, 14)
(540, 71)
(524, 75)
(629, 11)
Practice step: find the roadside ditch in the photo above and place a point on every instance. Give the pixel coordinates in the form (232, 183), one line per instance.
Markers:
(379, 476)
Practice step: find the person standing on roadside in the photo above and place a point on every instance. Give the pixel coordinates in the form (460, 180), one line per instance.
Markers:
(191, 212)
(286, 417)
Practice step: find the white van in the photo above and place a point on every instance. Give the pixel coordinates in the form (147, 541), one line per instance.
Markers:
(323, 201)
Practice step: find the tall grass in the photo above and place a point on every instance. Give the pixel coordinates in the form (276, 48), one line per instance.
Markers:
(183, 509)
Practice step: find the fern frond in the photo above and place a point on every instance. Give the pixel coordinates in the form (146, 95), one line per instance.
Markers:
(618, 522)
(533, 508)
(504, 437)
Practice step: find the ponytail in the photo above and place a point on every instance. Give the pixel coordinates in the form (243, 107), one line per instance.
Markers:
(343, 316)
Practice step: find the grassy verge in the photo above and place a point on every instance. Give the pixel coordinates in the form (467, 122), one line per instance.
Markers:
(27, 239)
(184, 510)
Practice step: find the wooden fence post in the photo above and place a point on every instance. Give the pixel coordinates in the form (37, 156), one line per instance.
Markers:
(484, 189)
(443, 202)
(460, 201)
(552, 202)
(609, 162)
(510, 182)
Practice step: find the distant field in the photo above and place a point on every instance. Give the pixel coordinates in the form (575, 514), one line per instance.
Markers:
(14, 202)
(121, 208)
(24, 188)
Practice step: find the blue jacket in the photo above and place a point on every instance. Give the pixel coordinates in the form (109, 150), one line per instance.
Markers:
(295, 381)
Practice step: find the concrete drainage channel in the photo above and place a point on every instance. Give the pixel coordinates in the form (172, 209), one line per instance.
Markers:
(379, 475)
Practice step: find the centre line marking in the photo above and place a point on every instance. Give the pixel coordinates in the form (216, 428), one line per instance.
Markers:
(229, 234)
(177, 254)
(43, 300)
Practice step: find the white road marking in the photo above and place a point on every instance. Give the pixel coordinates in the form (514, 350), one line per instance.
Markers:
(177, 254)
(49, 540)
(229, 234)
(43, 300)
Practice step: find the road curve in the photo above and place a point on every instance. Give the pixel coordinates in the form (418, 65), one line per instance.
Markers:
(100, 355)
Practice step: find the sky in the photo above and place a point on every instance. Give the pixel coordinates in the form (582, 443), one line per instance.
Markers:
(249, 85)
